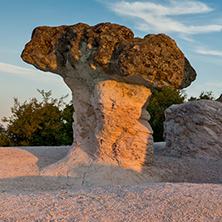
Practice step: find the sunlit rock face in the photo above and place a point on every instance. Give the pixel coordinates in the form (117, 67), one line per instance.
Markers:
(194, 129)
(111, 122)
(111, 75)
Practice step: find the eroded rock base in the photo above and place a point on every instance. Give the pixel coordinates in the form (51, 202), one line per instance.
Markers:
(112, 137)
(84, 171)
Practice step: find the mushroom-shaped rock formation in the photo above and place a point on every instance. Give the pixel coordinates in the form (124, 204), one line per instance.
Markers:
(111, 75)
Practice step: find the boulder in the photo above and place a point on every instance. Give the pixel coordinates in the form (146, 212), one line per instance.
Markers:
(16, 162)
(111, 75)
(194, 129)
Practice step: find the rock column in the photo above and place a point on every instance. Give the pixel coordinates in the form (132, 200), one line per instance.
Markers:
(111, 122)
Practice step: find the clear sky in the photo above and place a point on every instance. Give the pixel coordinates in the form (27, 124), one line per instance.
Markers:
(196, 26)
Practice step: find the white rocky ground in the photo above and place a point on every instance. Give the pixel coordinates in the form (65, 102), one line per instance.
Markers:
(186, 189)
(142, 202)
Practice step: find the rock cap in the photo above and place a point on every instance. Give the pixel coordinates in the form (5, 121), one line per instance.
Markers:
(109, 51)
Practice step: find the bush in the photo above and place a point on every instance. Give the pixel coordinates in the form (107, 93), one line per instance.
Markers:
(160, 100)
(4, 140)
(204, 95)
(42, 123)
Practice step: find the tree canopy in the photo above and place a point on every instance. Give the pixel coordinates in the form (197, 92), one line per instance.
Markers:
(204, 95)
(38, 123)
(160, 100)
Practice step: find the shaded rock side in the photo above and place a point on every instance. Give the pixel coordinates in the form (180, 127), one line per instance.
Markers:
(194, 129)
(111, 75)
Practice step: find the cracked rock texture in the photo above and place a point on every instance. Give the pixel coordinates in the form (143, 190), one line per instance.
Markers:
(194, 129)
(111, 75)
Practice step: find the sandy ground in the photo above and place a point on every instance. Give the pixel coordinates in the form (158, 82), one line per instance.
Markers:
(144, 202)
(189, 190)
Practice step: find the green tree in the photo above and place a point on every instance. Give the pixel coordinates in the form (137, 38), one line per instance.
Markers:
(204, 95)
(160, 100)
(67, 121)
(37, 123)
(4, 139)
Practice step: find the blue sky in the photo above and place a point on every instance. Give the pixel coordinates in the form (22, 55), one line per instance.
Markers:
(196, 26)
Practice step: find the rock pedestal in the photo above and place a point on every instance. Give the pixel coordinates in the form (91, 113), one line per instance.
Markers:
(111, 75)
(111, 122)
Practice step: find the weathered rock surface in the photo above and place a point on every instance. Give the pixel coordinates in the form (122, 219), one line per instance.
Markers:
(194, 129)
(111, 75)
(109, 51)
(17, 162)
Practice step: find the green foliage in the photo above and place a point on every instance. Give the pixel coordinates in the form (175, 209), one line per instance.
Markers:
(67, 120)
(42, 123)
(204, 95)
(160, 100)
(4, 140)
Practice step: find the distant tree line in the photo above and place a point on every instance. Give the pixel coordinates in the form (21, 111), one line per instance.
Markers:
(49, 122)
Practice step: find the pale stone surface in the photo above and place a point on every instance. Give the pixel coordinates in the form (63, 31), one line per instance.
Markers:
(122, 130)
(139, 202)
(111, 75)
(194, 129)
(14, 160)
(82, 171)
(112, 122)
